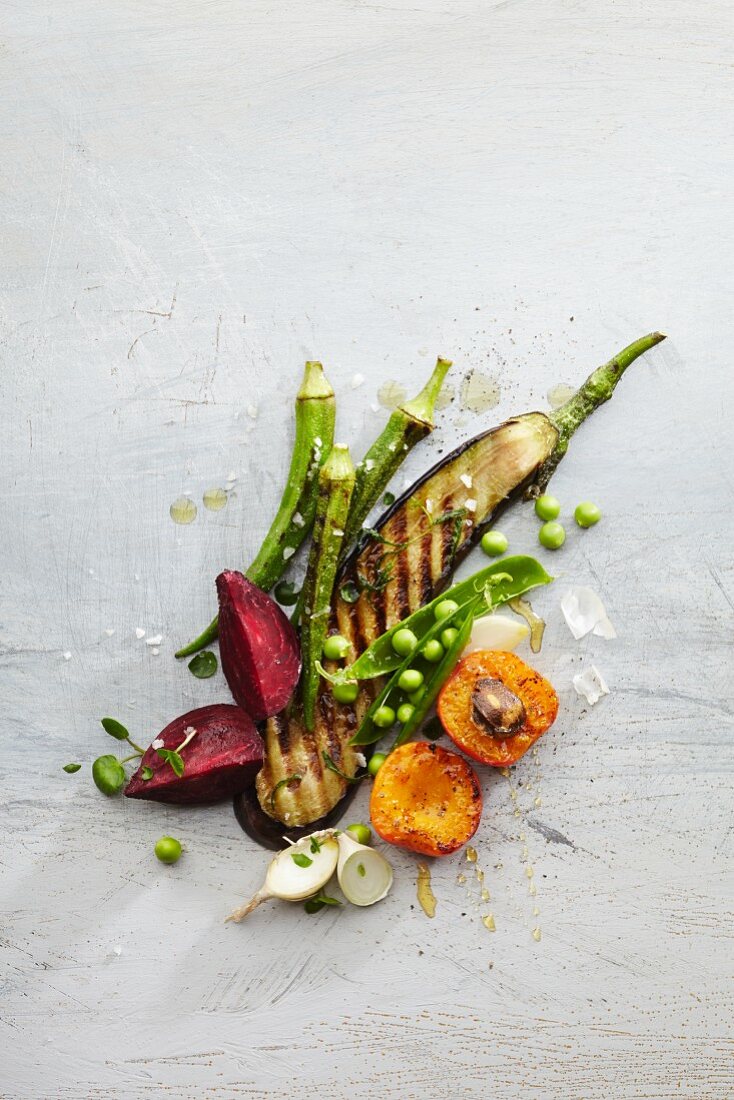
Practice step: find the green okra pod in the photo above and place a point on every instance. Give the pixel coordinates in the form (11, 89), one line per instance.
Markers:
(408, 424)
(315, 416)
(336, 485)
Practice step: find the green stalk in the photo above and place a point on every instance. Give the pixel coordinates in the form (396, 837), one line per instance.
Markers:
(315, 416)
(336, 484)
(597, 389)
(407, 425)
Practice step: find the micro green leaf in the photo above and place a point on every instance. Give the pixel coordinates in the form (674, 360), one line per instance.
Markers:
(388, 499)
(71, 768)
(349, 592)
(108, 774)
(319, 902)
(172, 757)
(300, 859)
(315, 846)
(203, 665)
(115, 729)
(333, 768)
(147, 773)
(360, 870)
(283, 783)
(286, 593)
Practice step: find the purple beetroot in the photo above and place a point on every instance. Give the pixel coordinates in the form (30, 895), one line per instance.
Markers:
(220, 759)
(258, 647)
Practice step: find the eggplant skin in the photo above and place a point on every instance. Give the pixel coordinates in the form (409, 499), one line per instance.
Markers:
(422, 538)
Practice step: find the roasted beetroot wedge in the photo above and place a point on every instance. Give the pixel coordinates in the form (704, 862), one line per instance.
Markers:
(258, 646)
(221, 758)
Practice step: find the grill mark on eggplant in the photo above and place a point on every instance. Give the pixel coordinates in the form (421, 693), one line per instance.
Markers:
(399, 587)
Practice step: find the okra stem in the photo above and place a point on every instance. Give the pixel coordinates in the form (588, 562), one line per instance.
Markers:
(597, 389)
(408, 424)
(315, 415)
(336, 485)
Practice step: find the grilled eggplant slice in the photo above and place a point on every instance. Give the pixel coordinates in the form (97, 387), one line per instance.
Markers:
(408, 558)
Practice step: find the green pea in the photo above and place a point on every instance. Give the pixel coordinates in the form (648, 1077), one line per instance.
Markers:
(587, 514)
(449, 636)
(552, 535)
(404, 641)
(168, 849)
(444, 609)
(375, 762)
(410, 680)
(335, 647)
(416, 696)
(494, 543)
(361, 833)
(547, 507)
(345, 693)
(384, 717)
(433, 651)
(405, 713)
(108, 774)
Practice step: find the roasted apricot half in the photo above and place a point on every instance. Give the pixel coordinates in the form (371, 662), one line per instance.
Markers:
(494, 707)
(426, 799)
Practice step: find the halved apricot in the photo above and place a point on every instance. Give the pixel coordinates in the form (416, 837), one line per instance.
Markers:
(426, 799)
(477, 711)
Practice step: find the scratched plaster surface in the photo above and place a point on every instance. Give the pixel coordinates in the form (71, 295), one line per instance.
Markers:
(200, 196)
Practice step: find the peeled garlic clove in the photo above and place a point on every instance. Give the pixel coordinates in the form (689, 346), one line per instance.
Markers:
(495, 632)
(297, 873)
(364, 875)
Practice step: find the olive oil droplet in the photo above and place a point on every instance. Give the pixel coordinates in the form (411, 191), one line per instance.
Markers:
(391, 394)
(183, 510)
(215, 499)
(529, 871)
(461, 878)
(488, 922)
(536, 934)
(559, 394)
(485, 894)
(426, 897)
(471, 855)
(479, 392)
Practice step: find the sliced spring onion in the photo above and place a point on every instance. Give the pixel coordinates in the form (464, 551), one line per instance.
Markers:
(364, 875)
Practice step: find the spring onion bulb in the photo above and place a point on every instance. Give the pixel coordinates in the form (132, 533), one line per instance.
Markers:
(297, 873)
(364, 875)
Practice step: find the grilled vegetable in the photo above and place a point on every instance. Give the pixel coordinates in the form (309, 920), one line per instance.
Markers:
(221, 759)
(426, 799)
(408, 424)
(336, 482)
(258, 646)
(494, 707)
(315, 414)
(432, 526)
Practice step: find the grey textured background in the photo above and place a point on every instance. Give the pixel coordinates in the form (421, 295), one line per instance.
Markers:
(197, 198)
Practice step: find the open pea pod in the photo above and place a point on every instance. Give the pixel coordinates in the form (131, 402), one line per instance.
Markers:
(463, 617)
(502, 581)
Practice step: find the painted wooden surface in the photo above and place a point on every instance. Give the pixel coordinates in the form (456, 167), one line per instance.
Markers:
(199, 197)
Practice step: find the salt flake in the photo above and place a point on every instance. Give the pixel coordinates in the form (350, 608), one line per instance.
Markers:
(155, 651)
(155, 640)
(252, 412)
(288, 552)
(139, 632)
(361, 759)
(471, 504)
(109, 631)
(467, 480)
(585, 613)
(158, 743)
(357, 381)
(67, 656)
(298, 520)
(591, 684)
